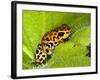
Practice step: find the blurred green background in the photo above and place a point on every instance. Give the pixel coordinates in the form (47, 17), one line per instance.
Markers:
(68, 54)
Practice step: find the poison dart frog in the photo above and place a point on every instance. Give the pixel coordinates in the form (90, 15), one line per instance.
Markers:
(50, 40)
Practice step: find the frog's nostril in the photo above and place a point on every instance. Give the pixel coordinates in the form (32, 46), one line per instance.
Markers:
(60, 33)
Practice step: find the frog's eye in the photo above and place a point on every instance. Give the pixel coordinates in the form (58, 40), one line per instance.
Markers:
(60, 33)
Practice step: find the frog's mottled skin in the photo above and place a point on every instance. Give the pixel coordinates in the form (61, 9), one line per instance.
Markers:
(50, 40)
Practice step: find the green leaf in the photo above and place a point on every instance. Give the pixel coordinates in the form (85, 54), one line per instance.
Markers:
(71, 53)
